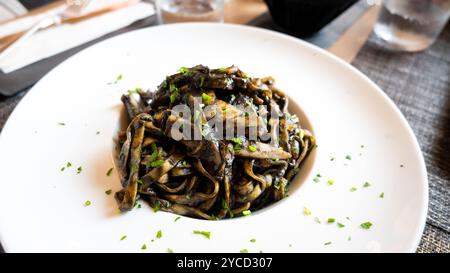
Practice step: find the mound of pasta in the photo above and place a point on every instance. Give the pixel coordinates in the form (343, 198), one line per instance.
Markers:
(210, 144)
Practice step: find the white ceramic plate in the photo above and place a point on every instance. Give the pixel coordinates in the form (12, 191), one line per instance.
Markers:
(42, 208)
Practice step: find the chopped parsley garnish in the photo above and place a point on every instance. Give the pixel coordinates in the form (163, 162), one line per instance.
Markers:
(382, 195)
(109, 172)
(237, 140)
(135, 91)
(176, 219)
(144, 247)
(119, 78)
(225, 206)
(332, 158)
(79, 169)
(306, 211)
(252, 148)
(173, 97)
(207, 234)
(366, 184)
(87, 203)
(330, 182)
(169, 250)
(352, 189)
(366, 225)
(331, 220)
(340, 225)
(157, 163)
(157, 206)
(62, 169)
(327, 243)
(318, 175)
(108, 192)
(348, 157)
(123, 237)
(61, 124)
(202, 81)
(246, 212)
(317, 220)
(183, 70)
(244, 251)
(316, 179)
(206, 99)
(252, 240)
(69, 165)
(159, 234)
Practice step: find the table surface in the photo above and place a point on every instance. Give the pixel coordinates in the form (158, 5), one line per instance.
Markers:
(419, 84)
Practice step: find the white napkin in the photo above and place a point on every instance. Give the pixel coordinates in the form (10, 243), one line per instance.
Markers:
(52, 41)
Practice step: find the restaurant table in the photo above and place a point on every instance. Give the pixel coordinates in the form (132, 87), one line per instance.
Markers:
(418, 83)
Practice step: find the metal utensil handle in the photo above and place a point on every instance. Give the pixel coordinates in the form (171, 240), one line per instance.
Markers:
(42, 24)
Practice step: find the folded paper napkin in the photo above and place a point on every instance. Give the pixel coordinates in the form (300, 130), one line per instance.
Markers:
(54, 40)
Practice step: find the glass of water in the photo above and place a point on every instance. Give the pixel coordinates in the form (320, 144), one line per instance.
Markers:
(176, 11)
(412, 25)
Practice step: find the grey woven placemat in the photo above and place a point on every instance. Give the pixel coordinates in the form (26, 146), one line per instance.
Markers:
(419, 84)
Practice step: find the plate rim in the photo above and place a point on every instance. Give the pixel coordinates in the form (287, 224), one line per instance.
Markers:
(413, 245)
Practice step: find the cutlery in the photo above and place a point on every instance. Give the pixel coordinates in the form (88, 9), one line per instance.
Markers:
(74, 8)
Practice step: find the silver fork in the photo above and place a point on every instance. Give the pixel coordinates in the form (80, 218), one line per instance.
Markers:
(73, 9)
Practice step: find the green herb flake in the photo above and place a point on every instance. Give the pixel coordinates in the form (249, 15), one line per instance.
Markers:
(176, 219)
(317, 220)
(144, 247)
(253, 241)
(349, 238)
(330, 182)
(157, 163)
(202, 81)
(61, 124)
(159, 234)
(206, 99)
(237, 140)
(157, 206)
(169, 250)
(173, 97)
(109, 172)
(366, 184)
(119, 78)
(332, 158)
(108, 192)
(87, 203)
(327, 243)
(306, 211)
(123, 237)
(252, 148)
(183, 70)
(318, 175)
(207, 234)
(366, 225)
(246, 213)
(79, 169)
(353, 189)
(69, 165)
(316, 179)
(331, 220)
(340, 225)
(62, 169)
(382, 195)
(348, 157)
(243, 251)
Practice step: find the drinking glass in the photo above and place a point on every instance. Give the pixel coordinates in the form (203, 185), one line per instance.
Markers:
(412, 25)
(175, 11)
